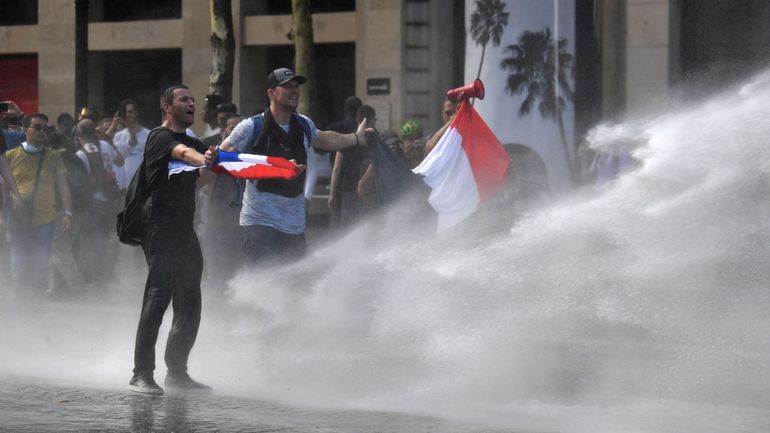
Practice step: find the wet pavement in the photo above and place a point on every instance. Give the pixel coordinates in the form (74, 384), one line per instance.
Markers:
(36, 405)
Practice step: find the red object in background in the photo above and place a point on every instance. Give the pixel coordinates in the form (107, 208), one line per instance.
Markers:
(473, 90)
(18, 82)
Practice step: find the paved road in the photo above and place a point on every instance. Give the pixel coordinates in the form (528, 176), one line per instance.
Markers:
(34, 405)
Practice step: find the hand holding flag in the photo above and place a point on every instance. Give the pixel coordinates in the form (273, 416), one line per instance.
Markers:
(243, 165)
(211, 156)
(465, 168)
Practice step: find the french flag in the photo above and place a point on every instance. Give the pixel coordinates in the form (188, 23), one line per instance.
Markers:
(465, 168)
(245, 166)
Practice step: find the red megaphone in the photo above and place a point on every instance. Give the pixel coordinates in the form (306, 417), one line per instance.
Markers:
(473, 90)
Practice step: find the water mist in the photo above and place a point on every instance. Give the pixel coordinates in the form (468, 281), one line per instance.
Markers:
(641, 303)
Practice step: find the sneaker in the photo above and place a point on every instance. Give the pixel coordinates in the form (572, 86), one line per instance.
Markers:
(144, 383)
(183, 382)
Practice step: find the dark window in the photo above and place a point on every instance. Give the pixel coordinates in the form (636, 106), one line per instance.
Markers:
(141, 76)
(723, 42)
(335, 76)
(18, 12)
(135, 10)
(283, 7)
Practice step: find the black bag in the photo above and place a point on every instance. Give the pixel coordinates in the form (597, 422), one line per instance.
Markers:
(129, 222)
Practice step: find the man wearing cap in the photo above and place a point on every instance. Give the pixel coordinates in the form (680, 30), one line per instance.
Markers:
(273, 214)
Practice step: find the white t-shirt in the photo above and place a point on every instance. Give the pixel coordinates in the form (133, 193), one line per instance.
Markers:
(108, 158)
(209, 132)
(132, 154)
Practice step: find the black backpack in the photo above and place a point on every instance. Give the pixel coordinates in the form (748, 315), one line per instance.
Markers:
(129, 222)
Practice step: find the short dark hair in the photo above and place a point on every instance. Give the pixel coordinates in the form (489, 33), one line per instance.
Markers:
(168, 95)
(229, 116)
(365, 111)
(227, 107)
(65, 118)
(57, 140)
(126, 102)
(214, 99)
(25, 122)
(352, 104)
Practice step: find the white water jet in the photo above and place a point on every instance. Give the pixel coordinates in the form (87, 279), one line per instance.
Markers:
(640, 304)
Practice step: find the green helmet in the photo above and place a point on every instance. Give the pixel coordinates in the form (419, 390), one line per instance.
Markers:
(410, 128)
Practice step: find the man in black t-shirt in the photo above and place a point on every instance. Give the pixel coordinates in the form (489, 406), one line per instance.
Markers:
(171, 246)
(349, 165)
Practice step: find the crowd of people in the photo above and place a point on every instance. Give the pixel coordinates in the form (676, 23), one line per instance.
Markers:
(64, 181)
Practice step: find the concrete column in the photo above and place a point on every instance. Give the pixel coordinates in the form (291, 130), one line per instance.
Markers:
(379, 55)
(196, 53)
(56, 56)
(612, 31)
(647, 54)
(443, 58)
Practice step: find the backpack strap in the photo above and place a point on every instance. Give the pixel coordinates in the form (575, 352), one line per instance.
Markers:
(259, 123)
(305, 127)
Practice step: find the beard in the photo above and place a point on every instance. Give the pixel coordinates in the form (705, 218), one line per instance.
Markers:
(183, 119)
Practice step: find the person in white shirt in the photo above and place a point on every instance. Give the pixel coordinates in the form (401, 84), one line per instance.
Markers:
(209, 114)
(97, 252)
(130, 142)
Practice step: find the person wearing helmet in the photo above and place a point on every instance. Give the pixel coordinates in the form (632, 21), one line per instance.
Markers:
(412, 143)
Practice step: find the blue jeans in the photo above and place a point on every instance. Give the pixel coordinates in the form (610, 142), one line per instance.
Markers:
(262, 244)
(30, 254)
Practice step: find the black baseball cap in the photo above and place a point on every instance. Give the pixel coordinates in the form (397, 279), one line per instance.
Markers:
(283, 76)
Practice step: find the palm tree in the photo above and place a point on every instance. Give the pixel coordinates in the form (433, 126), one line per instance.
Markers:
(532, 70)
(488, 22)
(223, 43)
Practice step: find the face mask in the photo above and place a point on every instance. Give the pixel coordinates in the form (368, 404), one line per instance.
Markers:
(31, 148)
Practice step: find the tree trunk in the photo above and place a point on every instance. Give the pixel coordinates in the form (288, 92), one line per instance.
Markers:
(302, 24)
(481, 63)
(223, 45)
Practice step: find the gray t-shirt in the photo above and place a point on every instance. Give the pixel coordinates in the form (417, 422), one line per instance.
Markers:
(285, 214)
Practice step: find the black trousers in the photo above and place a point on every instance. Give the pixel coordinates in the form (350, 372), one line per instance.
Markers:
(175, 266)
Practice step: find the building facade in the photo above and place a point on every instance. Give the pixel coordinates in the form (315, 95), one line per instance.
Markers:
(399, 56)
(392, 54)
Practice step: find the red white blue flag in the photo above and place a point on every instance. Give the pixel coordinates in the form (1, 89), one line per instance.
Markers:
(245, 166)
(465, 168)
